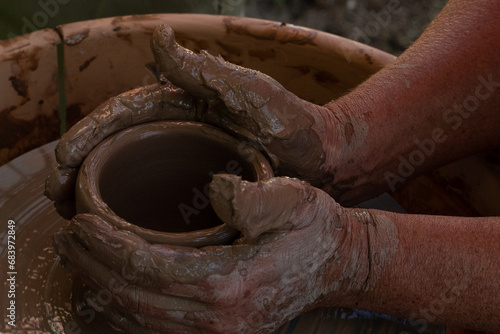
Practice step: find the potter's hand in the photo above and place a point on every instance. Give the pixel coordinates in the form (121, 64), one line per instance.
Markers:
(297, 252)
(302, 139)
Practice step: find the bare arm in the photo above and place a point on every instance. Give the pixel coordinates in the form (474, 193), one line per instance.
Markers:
(438, 102)
(300, 250)
(439, 98)
(441, 270)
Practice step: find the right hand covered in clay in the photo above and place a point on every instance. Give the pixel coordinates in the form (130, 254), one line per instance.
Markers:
(299, 250)
(302, 139)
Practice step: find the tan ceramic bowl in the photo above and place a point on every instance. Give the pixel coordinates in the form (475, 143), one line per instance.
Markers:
(153, 179)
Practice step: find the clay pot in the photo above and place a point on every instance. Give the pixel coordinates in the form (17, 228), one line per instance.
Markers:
(153, 179)
(106, 57)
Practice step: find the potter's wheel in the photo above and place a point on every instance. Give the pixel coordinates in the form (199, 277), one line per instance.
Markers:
(47, 296)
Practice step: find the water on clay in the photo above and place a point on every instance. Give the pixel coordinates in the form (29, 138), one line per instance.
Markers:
(44, 290)
(164, 187)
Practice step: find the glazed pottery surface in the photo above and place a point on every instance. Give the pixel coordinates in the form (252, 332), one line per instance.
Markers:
(153, 179)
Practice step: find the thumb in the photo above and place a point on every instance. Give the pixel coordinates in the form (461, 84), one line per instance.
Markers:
(254, 100)
(255, 207)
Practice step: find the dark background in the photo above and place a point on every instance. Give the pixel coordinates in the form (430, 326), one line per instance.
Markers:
(355, 19)
(368, 21)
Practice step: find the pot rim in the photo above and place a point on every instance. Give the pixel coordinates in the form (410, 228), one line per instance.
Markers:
(88, 195)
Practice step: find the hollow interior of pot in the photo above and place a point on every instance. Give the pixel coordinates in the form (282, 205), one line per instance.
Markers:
(161, 181)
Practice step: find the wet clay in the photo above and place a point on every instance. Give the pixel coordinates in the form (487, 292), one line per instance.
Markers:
(296, 205)
(144, 104)
(301, 139)
(247, 207)
(154, 178)
(150, 179)
(256, 106)
(45, 283)
(94, 246)
(303, 243)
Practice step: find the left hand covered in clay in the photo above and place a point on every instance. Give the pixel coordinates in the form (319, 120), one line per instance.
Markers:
(296, 252)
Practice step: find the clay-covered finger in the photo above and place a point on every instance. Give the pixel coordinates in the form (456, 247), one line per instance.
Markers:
(280, 203)
(255, 106)
(144, 104)
(139, 323)
(111, 246)
(248, 94)
(131, 298)
(208, 77)
(154, 265)
(179, 65)
(112, 314)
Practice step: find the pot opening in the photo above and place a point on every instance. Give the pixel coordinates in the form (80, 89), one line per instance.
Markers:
(161, 181)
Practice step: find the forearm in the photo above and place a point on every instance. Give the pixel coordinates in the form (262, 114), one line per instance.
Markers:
(436, 103)
(445, 270)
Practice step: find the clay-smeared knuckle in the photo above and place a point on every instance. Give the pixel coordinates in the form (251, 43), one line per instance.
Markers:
(70, 151)
(67, 154)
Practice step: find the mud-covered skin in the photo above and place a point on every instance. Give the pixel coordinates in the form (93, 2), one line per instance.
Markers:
(301, 139)
(304, 139)
(145, 104)
(140, 105)
(304, 252)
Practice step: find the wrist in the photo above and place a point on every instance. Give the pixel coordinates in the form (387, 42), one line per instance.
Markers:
(349, 150)
(366, 245)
